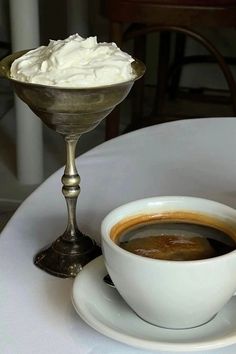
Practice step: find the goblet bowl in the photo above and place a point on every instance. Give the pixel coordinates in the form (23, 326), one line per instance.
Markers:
(70, 110)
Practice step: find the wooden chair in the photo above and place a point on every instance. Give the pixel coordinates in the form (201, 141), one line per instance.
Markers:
(135, 19)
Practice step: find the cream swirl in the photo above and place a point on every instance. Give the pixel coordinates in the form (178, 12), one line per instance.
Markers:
(74, 62)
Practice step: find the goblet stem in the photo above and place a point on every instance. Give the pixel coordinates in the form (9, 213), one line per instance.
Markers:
(71, 188)
(66, 256)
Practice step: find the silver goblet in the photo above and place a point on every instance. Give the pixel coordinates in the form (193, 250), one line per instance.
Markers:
(71, 112)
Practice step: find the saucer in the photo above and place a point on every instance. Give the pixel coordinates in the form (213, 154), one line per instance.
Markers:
(101, 307)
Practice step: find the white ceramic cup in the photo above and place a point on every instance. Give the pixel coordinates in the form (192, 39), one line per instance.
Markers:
(171, 294)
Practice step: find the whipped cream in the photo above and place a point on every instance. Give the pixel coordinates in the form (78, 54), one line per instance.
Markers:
(74, 62)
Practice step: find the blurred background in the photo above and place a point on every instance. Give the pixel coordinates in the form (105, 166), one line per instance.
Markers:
(202, 90)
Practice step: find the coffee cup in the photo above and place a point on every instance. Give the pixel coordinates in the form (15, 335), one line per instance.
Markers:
(175, 294)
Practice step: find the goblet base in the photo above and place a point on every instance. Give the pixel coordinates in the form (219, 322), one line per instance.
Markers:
(65, 259)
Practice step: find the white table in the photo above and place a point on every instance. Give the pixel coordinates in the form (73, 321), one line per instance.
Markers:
(194, 157)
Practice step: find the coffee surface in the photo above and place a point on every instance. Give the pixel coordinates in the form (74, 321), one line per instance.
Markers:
(177, 241)
(174, 247)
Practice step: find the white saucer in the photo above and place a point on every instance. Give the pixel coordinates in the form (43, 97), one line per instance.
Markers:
(102, 308)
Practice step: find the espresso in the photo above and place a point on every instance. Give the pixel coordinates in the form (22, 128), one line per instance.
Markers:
(176, 240)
